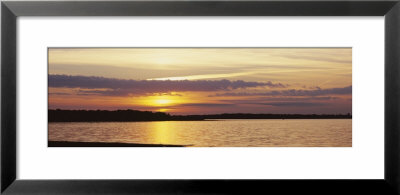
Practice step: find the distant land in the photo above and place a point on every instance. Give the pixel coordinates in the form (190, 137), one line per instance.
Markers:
(136, 115)
(105, 144)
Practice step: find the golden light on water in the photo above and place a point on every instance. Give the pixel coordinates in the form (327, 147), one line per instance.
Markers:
(161, 133)
(204, 81)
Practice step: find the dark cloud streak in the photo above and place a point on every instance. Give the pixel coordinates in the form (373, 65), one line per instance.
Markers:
(293, 104)
(293, 92)
(123, 87)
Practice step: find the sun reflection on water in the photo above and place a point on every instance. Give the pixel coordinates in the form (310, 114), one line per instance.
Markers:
(162, 133)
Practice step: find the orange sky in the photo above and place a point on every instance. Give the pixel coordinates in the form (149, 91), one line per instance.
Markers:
(202, 80)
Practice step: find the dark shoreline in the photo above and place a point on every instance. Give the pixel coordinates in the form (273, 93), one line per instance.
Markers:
(195, 120)
(105, 144)
(140, 116)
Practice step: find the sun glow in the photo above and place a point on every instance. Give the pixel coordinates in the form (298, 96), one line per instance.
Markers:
(162, 101)
(163, 110)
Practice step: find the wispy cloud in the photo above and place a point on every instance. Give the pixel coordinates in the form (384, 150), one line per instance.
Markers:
(276, 99)
(205, 76)
(318, 58)
(205, 105)
(293, 92)
(292, 104)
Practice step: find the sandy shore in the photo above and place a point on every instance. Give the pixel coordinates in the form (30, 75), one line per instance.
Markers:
(104, 144)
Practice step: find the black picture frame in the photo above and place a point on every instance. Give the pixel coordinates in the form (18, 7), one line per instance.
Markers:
(11, 10)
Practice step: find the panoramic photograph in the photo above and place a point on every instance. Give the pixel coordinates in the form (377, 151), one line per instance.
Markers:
(199, 97)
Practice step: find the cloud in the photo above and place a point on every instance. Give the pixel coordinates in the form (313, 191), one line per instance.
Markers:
(206, 76)
(285, 101)
(318, 58)
(90, 85)
(206, 105)
(59, 93)
(166, 94)
(276, 99)
(293, 92)
(292, 104)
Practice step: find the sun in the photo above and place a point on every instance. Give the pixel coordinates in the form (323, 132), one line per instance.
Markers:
(159, 102)
(162, 101)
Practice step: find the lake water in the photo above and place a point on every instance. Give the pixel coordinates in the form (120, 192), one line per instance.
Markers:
(225, 133)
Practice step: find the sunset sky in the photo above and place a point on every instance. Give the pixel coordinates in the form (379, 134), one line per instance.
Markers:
(202, 80)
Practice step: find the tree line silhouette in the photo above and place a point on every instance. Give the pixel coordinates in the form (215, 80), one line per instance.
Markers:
(59, 115)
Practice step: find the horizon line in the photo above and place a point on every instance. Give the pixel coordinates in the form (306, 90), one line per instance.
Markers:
(57, 109)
